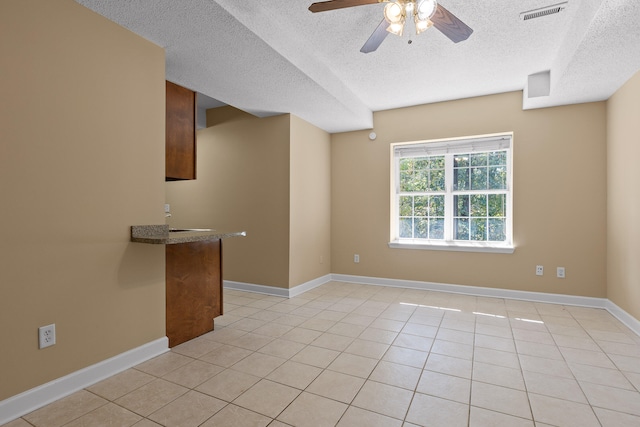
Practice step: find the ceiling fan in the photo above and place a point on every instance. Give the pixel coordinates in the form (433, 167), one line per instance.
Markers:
(425, 13)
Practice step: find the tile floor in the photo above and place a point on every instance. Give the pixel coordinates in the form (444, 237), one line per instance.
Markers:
(357, 355)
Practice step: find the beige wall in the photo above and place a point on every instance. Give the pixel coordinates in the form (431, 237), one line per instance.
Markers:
(623, 215)
(559, 196)
(310, 203)
(81, 160)
(242, 184)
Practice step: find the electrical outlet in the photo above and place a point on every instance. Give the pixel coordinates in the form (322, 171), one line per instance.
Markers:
(47, 336)
(539, 270)
(356, 258)
(560, 272)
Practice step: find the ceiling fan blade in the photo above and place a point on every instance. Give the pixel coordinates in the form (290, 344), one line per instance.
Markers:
(376, 38)
(340, 4)
(450, 25)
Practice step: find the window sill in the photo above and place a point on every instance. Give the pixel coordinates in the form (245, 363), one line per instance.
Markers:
(456, 247)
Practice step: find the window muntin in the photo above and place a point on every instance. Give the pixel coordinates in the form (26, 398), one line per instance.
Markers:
(456, 192)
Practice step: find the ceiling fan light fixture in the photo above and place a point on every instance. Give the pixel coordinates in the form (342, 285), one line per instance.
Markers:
(396, 28)
(422, 26)
(426, 9)
(393, 13)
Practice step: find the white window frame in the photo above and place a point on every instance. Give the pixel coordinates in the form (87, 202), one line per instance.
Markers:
(449, 147)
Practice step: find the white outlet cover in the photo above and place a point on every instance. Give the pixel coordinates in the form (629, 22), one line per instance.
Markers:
(47, 336)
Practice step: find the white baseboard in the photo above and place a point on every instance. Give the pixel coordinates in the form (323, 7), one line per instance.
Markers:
(278, 292)
(30, 400)
(629, 321)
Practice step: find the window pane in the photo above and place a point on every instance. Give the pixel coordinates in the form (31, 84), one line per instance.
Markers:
(461, 229)
(461, 160)
(461, 179)
(479, 159)
(461, 205)
(497, 205)
(406, 208)
(406, 228)
(436, 206)
(497, 177)
(479, 178)
(436, 182)
(436, 162)
(479, 205)
(420, 206)
(498, 158)
(497, 230)
(436, 228)
(478, 229)
(421, 228)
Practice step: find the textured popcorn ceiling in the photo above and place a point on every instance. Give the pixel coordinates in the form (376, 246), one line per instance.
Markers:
(272, 57)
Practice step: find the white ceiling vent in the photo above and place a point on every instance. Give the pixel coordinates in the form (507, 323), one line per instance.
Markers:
(543, 11)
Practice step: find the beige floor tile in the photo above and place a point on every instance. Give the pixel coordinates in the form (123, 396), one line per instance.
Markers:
(310, 410)
(274, 330)
(146, 423)
(17, 423)
(226, 355)
(251, 341)
(282, 348)
(396, 374)
(228, 385)
(332, 341)
(633, 378)
(335, 316)
(454, 349)
(449, 365)
(585, 343)
(336, 386)
(66, 409)
(500, 399)
(378, 335)
(383, 399)
(302, 335)
(494, 331)
(358, 319)
(540, 337)
(121, 384)
(289, 319)
(294, 374)
(366, 348)
(560, 412)
(587, 357)
(247, 324)
(496, 357)
(388, 324)
(632, 350)
(558, 368)
(316, 356)
(267, 398)
(151, 397)
(602, 376)
(189, 410)
(616, 399)
(107, 415)
(406, 356)
(610, 418)
(495, 343)
(559, 387)
(352, 364)
(626, 363)
(317, 324)
(458, 325)
(163, 364)
(455, 336)
(196, 348)
(266, 315)
(193, 374)
(480, 417)
(347, 329)
(258, 364)
(430, 411)
(539, 350)
(306, 311)
(498, 375)
(414, 342)
(224, 335)
(235, 416)
(356, 417)
(445, 386)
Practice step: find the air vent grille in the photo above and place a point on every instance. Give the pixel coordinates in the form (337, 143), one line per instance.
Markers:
(544, 11)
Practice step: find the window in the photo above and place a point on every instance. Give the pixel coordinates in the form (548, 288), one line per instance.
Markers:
(453, 194)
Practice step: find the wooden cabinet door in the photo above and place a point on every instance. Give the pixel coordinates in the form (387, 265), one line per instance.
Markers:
(180, 155)
(194, 289)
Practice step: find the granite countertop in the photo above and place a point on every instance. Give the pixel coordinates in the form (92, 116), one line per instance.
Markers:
(163, 235)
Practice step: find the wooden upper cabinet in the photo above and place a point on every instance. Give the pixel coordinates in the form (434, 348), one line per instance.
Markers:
(180, 133)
